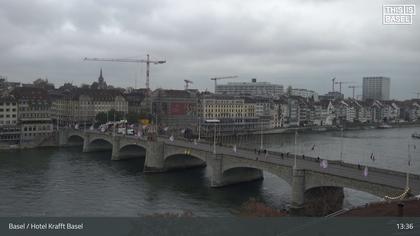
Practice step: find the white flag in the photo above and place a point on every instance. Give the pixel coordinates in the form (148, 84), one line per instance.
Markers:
(166, 128)
(324, 164)
(171, 138)
(365, 171)
(91, 127)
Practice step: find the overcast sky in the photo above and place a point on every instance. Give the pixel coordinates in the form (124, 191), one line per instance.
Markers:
(299, 43)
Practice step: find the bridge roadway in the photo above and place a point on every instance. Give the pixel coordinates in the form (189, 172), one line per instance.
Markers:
(337, 168)
(315, 190)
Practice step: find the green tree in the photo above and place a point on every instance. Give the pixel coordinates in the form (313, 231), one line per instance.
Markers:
(133, 117)
(101, 118)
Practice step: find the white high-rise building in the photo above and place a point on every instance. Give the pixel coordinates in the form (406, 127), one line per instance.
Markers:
(376, 87)
(253, 88)
(305, 93)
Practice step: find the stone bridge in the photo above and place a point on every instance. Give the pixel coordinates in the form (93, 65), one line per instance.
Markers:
(315, 191)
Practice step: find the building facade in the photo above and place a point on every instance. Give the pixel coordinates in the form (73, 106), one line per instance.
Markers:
(175, 109)
(235, 115)
(376, 88)
(80, 106)
(34, 114)
(253, 88)
(9, 128)
(305, 93)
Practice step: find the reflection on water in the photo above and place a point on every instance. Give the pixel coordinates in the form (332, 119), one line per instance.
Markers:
(67, 182)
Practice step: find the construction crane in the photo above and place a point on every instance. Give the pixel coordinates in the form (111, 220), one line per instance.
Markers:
(354, 87)
(219, 78)
(147, 61)
(186, 83)
(333, 82)
(342, 82)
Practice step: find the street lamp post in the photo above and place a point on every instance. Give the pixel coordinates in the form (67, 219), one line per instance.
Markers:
(214, 139)
(199, 129)
(262, 139)
(295, 163)
(215, 122)
(114, 124)
(341, 144)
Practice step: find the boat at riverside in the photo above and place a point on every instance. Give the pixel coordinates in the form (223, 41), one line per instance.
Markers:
(416, 135)
(384, 126)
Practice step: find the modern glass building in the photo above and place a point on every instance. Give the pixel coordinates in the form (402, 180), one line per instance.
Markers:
(376, 87)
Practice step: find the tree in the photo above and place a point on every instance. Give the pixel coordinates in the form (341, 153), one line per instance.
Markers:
(84, 86)
(133, 117)
(102, 117)
(95, 85)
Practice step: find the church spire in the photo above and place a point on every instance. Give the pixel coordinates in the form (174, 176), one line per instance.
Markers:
(101, 81)
(101, 78)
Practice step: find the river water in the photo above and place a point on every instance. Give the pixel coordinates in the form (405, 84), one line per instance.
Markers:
(67, 182)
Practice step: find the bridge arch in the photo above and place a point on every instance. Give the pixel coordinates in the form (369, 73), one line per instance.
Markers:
(75, 140)
(184, 160)
(284, 173)
(319, 180)
(132, 150)
(98, 144)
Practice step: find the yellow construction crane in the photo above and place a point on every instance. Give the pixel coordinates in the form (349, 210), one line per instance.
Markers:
(186, 83)
(219, 78)
(147, 61)
(354, 87)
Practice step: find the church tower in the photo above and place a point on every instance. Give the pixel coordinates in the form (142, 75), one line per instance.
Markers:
(101, 81)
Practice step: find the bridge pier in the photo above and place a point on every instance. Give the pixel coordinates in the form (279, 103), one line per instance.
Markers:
(154, 161)
(220, 178)
(62, 138)
(318, 201)
(115, 149)
(322, 201)
(86, 147)
(298, 192)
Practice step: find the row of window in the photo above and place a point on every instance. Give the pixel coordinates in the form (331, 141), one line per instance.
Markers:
(7, 109)
(36, 115)
(7, 103)
(34, 128)
(224, 115)
(34, 108)
(35, 134)
(7, 122)
(9, 137)
(7, 116)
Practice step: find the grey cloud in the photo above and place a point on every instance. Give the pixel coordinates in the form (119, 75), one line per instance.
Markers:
(302, 43)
